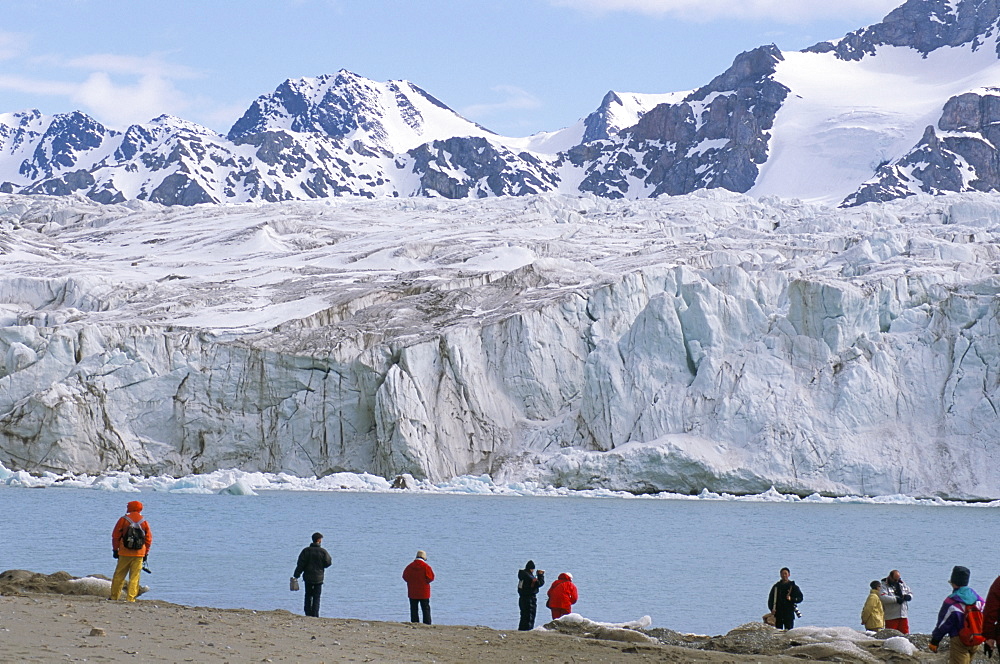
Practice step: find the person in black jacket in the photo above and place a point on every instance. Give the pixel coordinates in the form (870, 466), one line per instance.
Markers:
(782, 599)
(312, 561)
(528, 583)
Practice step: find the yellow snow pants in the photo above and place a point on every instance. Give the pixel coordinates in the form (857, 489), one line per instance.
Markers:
(131, 565)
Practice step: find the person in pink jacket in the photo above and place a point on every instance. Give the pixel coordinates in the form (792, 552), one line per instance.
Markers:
(562, 595)
(418, 576)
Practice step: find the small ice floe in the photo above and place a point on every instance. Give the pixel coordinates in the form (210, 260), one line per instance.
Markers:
(828, 642)
(901, 645)
(239, 488)
(828, 634)
(89, 585)
(577, 625)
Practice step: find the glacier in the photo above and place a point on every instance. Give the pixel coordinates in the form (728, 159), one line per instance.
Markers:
(712, 341)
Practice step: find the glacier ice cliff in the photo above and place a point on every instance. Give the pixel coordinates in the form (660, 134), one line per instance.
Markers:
(711, 340)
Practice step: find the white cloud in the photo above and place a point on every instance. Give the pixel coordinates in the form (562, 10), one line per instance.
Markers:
(785, 11)
(515, 99)
(118, 90)
(153, 66)
(120, 104)
(12, 44)
(36, 86)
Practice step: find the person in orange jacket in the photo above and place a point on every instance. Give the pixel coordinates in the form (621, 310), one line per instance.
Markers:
(562, 595)
(130, 560)
(418, 576)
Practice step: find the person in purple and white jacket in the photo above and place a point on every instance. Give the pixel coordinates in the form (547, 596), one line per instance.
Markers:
(951, 617)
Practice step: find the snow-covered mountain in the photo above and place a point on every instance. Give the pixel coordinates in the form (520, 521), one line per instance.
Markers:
(711, 340)
(890, 110)
(592, 316)
(396, 116)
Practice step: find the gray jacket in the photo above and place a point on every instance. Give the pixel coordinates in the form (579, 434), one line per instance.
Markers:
(890, 600)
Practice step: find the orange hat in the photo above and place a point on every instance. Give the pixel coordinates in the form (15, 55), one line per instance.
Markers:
(134, 506)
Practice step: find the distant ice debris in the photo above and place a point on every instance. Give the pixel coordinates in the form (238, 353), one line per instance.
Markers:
(240, 483)
(239, 488)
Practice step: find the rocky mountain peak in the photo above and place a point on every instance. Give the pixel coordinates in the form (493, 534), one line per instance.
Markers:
(394, 115)
(925, 26)
(749, 69)
(22, 119)
(172, 122)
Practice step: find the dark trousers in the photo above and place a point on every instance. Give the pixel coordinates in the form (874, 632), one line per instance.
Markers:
(313, 591)
(528, 605)
(424, 604)
(784, 619)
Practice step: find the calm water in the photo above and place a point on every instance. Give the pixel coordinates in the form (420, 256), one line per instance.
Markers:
(692, 565)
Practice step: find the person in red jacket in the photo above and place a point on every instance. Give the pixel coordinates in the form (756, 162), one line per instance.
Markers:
(130, 561)
(418, 576)
(562, 595)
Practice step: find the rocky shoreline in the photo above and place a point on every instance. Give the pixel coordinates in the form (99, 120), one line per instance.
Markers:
(44, 619)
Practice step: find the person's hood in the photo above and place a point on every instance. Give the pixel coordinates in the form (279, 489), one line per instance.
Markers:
(873, 591)
(134, 506)
(565, 576)
(965, 595)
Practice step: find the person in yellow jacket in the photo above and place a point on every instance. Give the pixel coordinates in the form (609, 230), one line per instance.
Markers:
(873, 615)
(130, 554)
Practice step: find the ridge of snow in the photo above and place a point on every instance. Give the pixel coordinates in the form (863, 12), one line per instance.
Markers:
(844, 118)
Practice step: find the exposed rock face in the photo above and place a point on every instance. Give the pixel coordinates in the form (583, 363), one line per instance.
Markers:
(344, 106)
(963, 157)
(924, 25)
(618, 111)
(716, 138)
(475, 168)
(36, 148)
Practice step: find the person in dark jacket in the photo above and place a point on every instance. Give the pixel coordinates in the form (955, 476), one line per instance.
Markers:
(418, 576)
(528, 583)
(782, 599)
(313, 560)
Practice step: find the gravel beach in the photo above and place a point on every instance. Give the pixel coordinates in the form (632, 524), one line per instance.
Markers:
(39, 622)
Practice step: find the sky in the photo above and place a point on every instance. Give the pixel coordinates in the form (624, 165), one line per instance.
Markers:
(516, 67)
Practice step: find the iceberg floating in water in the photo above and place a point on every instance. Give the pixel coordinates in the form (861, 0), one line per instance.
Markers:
(238, 488)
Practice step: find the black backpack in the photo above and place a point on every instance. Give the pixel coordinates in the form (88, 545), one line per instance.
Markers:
(134, 537)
